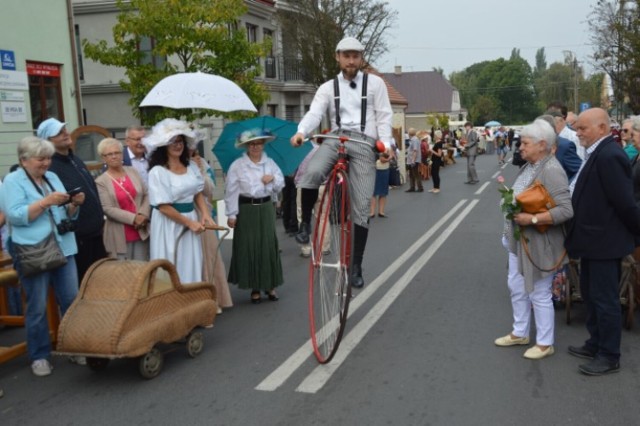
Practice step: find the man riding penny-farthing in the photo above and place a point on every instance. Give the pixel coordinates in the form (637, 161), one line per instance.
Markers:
(360, 111)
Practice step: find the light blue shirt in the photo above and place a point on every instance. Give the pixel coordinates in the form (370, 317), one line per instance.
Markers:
(16, 194)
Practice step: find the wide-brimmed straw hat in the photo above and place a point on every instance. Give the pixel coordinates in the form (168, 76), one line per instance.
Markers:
(164, 133)
(254, 135)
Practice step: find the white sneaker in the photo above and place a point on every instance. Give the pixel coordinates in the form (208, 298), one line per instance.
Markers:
(41, 367)
(80, 360)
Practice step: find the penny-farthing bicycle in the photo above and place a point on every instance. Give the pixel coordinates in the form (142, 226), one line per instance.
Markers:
(331, 256)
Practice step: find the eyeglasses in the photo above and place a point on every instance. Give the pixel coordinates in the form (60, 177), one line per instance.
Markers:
(625, 130)
(135, 139)
(112, 154)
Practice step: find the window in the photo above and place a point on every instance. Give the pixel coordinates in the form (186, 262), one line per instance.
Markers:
(252, 33)
(79, 52)
(272, 110)
(45, 92)
(146, 46)
(270, 60)
(291, 113)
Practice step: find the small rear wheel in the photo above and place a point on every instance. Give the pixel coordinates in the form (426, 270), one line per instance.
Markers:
(97, 364)
(329, 287)
(151, 363)
(195, 343)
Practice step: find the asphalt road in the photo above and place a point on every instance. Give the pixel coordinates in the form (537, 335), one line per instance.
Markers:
(418, 349)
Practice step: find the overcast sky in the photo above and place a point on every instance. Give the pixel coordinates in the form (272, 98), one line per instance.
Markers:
(456, 34)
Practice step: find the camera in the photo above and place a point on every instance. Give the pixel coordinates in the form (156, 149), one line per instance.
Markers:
(66, 225)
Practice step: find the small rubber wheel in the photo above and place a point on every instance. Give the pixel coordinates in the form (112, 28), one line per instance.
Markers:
(97, 364)
(195, 343)
(151, 364)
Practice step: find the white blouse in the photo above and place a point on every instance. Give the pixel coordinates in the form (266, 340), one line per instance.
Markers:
(245, 178)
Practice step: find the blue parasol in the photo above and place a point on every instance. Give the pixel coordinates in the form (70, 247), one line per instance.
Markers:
(492, 124)
(279, 150)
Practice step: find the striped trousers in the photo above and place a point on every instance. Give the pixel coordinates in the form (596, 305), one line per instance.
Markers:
(362, 174)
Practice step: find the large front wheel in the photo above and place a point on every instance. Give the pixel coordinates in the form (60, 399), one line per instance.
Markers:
(329, 288)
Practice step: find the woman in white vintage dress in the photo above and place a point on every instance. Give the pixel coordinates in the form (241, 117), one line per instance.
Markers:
(175, 193)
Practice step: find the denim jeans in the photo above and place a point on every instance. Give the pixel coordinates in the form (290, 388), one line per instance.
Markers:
(64, 282)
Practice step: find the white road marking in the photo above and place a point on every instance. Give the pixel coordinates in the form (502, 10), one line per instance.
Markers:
(496, 174)
(321, 374)
(281, 374)
(482, 188)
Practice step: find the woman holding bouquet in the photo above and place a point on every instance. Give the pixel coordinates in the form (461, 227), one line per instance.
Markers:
(536, 253)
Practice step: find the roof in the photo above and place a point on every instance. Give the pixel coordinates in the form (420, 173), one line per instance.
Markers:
(395, 97)
(426, 91)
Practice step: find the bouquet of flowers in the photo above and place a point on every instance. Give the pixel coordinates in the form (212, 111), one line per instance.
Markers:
(509, 206)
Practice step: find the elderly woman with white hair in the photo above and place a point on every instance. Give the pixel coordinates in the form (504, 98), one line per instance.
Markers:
(37, 206)
(175, 193)
(124, 198)
(538, 253)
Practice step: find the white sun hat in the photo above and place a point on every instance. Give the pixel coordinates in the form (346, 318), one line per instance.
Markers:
(163, 134)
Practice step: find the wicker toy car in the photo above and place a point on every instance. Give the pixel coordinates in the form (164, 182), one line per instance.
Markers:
(125, 308)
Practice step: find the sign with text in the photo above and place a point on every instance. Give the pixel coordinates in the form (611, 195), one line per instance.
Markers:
(11, 96)
(14, 112)
(8, 58)
(13, 80)
(46, 70)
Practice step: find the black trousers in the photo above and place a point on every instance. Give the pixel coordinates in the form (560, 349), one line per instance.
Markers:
(435, 174)
(90, 249)
(599, 287)
(289, 205)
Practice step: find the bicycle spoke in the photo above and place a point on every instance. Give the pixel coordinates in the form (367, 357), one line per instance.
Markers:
(329, 290)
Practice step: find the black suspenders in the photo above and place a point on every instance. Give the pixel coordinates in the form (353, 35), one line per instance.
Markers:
(363, 107)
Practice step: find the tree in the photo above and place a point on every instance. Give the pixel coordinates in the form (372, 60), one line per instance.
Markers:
(541, 63)
(311, 29)
(615, 34)
(194, 35)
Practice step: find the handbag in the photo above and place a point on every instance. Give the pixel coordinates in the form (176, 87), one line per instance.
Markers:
(34, 259)
(536, 199)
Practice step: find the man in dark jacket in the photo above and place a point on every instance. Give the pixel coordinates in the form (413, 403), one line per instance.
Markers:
(605, 221)
(73, 173)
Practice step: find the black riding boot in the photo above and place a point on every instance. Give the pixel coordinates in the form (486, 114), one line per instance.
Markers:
(359, 243)
(308, 197)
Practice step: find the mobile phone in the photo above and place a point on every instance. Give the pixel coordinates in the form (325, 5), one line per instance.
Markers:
(75, 191)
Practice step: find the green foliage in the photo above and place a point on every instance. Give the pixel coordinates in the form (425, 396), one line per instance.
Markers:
(511, 92)
(615, 34)
(437, 121)
(188, 36)
(510, 207)
(497, 90)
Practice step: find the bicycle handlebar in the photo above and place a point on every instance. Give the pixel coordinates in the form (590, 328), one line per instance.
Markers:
(379, 145)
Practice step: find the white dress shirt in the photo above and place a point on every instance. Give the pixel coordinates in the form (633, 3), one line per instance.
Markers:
(588, 152)
(379, 112)
(141, 165)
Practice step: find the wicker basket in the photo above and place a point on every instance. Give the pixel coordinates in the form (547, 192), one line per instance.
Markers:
(124, 308)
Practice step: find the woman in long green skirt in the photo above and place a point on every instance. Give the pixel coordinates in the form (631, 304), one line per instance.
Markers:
(252, 182)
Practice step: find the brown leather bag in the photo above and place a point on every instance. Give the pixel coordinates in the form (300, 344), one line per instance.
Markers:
(536, 199)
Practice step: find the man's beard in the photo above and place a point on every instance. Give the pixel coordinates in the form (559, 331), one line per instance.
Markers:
(349, 73)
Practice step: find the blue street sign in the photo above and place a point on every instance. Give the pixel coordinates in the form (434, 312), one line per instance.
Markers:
(584, 106)
(8, 58)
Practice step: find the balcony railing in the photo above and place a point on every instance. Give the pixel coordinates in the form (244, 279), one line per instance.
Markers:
(284, 68)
